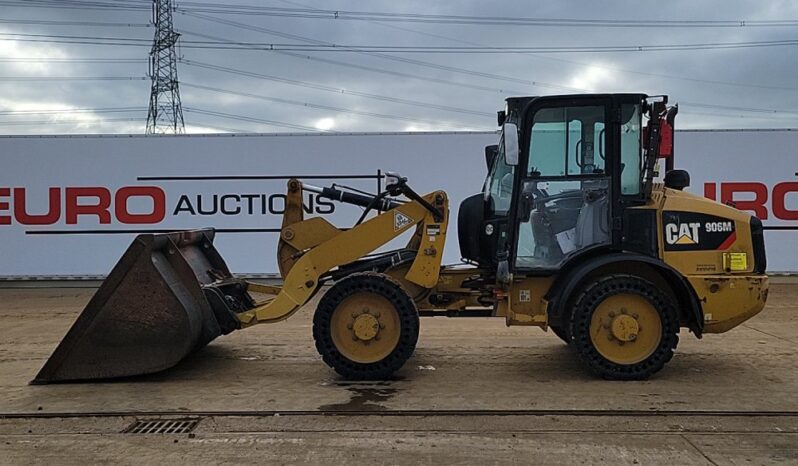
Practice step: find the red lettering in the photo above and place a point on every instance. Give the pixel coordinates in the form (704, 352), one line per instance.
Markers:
(757, 205)
(709, 191)
(52, 215)
(5, 219)
(100, 208)
(780, 209)
(155, 193)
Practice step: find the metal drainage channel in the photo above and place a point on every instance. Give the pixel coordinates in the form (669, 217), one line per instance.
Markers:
(162, 426)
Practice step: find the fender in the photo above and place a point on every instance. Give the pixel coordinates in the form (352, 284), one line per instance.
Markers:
(576, 270)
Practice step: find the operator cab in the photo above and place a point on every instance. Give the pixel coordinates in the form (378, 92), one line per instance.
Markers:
(565, 169)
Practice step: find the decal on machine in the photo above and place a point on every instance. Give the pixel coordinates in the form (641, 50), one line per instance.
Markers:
(691, 231)
(432, 232)
(401, 220)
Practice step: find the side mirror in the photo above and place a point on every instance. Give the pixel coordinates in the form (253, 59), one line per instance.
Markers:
(491, 152)
(511, 144)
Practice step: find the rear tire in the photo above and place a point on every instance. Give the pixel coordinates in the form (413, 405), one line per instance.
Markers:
(624, 327)
(366, 326)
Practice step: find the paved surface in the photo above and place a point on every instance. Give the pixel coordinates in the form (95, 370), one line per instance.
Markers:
(475, 392)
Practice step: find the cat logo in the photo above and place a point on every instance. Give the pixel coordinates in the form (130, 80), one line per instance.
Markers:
(682, 233)
(401, 220)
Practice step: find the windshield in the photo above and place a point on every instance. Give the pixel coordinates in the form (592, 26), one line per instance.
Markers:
(498, 187)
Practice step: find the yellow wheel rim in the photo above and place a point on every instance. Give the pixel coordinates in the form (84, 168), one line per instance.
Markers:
(626, 329)
(365, 328)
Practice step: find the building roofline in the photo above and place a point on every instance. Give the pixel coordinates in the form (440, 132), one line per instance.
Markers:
(364, 133)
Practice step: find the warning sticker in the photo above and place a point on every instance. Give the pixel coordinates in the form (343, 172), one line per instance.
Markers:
(735, 261)
(401, 220)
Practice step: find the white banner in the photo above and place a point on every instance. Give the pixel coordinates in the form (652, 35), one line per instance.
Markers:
(757, 170)
(70, 205)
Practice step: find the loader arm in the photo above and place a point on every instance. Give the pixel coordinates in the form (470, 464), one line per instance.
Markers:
(316, 247)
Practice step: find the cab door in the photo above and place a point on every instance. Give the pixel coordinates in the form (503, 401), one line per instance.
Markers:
(564, 202)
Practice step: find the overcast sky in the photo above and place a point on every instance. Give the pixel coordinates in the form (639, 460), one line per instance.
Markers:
(759, 83)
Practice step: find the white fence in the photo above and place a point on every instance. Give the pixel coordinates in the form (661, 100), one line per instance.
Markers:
(70, 205)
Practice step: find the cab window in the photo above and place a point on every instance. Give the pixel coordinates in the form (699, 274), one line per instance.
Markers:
(631, 154)
(499, 185)
(567, 141)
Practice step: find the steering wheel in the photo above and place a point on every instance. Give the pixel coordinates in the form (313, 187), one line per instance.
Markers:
(544, 198)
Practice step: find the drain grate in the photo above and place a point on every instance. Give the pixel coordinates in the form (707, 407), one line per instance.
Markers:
(162, 426)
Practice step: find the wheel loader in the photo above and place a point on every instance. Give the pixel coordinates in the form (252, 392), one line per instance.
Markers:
(572, 232)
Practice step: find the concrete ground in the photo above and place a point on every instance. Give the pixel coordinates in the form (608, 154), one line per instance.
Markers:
(476, 392)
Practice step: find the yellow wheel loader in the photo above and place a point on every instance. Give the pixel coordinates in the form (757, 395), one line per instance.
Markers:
(571, 232)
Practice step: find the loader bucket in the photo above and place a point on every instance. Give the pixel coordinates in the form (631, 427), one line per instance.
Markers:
(147, 315)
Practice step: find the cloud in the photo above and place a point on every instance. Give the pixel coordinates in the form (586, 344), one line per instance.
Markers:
(324, 124)
(465, 90)
(592, 79)
(20, 51)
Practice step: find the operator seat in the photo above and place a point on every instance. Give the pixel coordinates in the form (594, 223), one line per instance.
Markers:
(592, 225)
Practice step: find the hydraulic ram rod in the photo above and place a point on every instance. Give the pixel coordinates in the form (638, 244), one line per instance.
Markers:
(347, 197)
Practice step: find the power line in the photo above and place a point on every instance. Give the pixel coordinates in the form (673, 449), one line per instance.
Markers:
(73, 110)
(322, 107)
(593, 65)
(72, 60)
(315, 13)
(743, 109)
(74, 23)
(335, 90)
(380, 55)
(379, 70)
(688, 104)
(65, 4)
(70, 39)
(66, 122)
(574, 62)
(270, 47)
(252, 119)
(550, 58)
(73, 78)
(406, 75)
(772, 111)
(737, 115)
(266, 46)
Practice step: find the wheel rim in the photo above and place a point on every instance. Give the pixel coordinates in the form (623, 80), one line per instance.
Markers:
(626, 328)
(365, 328)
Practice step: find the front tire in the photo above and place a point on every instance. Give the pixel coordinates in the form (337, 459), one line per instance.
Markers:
(624, 327)
(366, 326)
